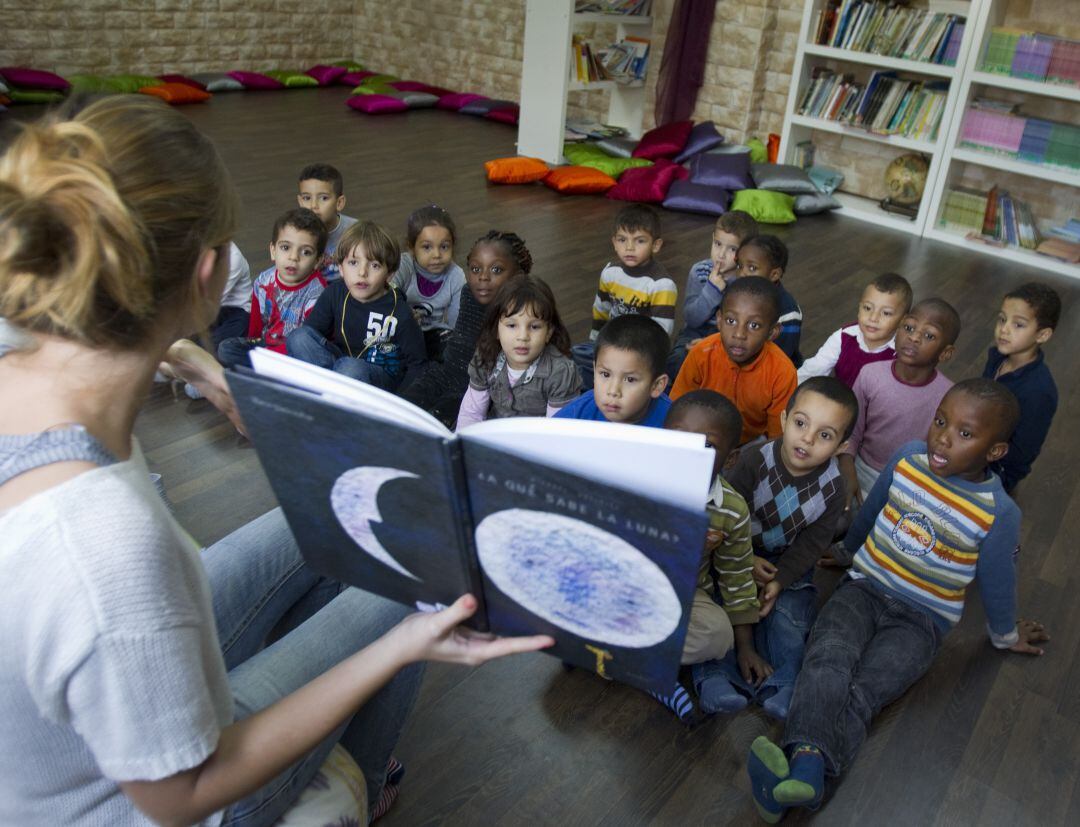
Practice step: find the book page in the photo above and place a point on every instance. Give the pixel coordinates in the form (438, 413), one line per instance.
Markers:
(342, 390)
(671, 466)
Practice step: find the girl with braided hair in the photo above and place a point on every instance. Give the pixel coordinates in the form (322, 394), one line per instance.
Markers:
(494, 258)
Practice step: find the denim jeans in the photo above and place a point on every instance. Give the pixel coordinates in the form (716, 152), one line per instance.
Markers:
(235, 351)
(231, 323)
(584, 356)
(264, 593)
(308, 345)
(779, 637)
(864, 652)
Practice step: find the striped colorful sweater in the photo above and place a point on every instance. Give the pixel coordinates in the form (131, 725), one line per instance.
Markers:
(727, 566)
(646, 290)
(923, 538)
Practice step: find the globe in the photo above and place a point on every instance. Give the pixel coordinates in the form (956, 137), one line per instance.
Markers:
(905, 179)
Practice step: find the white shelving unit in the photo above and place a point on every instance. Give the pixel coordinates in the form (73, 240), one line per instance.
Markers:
(798, 128)
(987, 14)
(545, 76)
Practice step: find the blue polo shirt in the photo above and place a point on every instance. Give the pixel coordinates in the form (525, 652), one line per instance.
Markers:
(1034, 387)
(584, 407)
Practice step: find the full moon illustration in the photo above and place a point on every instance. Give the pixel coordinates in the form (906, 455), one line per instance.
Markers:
(353, 499)
(578, 577)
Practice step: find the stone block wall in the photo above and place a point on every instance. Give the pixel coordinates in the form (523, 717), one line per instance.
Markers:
(157, 36)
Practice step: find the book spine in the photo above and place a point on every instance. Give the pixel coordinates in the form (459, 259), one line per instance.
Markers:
(466, 530)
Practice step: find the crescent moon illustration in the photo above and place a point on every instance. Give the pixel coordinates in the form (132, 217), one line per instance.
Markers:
(353, 500)
(579, 577)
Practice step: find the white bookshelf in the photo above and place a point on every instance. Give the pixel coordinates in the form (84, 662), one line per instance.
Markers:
(985, 15)
(798, 128)
(545, 76)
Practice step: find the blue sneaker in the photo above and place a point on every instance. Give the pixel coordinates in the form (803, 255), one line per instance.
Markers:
(767, 766)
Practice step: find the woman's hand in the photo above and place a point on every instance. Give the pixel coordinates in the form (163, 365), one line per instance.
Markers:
(439, 636)
(187, 361)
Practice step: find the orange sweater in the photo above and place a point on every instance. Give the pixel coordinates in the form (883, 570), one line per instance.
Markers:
(760, 389)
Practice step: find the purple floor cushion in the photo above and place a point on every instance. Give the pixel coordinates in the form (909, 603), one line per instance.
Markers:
(25, 78)
(455, 100)
(256, 81)
(376, 104)
(327, 75)
(690, 197)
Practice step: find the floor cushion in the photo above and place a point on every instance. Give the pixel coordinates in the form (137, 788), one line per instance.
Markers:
(519, 170)
(826, 179)
(34, 95)
(256, 81)
(700, 198)
(376, 104)
(647, 184)
(177, 93)
(455, 100)
(759, 154)
(703, 137)
(327, 75)
(336, 795)
(19, 76)
(664, 141)
(732, 172)
(766, 206)
(591, 155)
(349, 65)
(416, 99)
(811, 203)
(619, 147)
(505, 114)
(293, 80)
(355, 78)
(181, 79)
(418, 86)
(575, 180)
(218, 82)
(783, 178)
(482, 106)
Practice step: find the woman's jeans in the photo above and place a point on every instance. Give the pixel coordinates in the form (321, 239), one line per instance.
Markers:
(263, 591)
(864, 652)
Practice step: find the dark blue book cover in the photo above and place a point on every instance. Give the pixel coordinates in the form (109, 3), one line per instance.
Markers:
(607, 573)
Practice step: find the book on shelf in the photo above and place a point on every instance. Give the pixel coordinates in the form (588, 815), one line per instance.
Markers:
(993, 217)
(1031, 55)
(886, 104)
(804, 154)
(890, 29)
(591, 532)
(996, 127)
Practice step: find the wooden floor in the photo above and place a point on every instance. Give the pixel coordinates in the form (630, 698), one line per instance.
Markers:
(984, 738)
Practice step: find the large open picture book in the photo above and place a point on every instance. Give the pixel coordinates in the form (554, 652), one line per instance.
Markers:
(590, 532)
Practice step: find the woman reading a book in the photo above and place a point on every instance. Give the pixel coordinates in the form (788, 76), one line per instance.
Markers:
(138, 674)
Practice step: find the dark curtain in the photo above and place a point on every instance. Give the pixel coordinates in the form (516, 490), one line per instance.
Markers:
(682, 71)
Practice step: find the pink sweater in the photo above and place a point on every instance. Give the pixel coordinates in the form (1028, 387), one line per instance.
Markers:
(891, 413)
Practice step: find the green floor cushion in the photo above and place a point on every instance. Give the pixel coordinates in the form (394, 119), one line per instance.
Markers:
(349, 65)
(128, 84)
(293, 80)
(765, 206)
(35, 96)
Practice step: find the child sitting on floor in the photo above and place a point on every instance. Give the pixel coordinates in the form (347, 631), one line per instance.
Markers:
(522, 365)
(1025, 323)
(361, 326)
(725, 606)
(634, 285)
(493, 259)
(321, 189)
(741, 362)
(284, 294)
(707, 281)
(897, 399)
(884, 303)
(429, 277)
(767, 256)
(935, 520)
(630, 378)
(795, 493)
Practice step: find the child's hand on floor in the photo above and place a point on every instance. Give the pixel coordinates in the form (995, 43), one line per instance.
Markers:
(764, 571)
(1031, 632)
(754, 667)
(439, 636)
(769, 592)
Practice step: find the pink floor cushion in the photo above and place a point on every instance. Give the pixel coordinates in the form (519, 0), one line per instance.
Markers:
(355, 78)
(455, 100)
(647, 184)
(665, 141)
(327, 75)
(256, 81)
(182, 79)
(376, 104)
(484, 105)
(33, 79)
(509, 114)
(690, 197)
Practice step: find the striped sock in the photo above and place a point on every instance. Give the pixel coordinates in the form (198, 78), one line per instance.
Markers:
(395, 771)
(679, 702)
(805, 783)
(387, 796)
